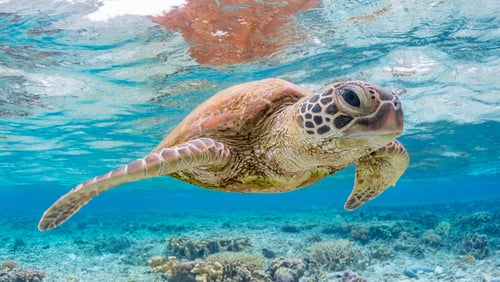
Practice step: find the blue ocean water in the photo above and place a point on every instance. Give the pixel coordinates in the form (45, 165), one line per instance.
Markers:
(80, 96)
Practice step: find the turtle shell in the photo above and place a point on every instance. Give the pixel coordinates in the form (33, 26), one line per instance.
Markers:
(236, 114)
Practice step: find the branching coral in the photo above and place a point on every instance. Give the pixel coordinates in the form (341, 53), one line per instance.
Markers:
(237, 264)
(337, 255)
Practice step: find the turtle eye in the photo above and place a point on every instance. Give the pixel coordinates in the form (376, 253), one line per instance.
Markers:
(350, 97)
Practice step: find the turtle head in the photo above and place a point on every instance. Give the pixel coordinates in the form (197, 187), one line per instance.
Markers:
(352, 110)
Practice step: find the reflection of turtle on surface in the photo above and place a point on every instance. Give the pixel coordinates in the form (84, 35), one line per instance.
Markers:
(270, 136)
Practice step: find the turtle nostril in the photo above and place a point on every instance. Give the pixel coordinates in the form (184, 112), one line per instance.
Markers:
(397, 105)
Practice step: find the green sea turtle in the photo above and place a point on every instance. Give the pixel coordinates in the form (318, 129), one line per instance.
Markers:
(270, 136)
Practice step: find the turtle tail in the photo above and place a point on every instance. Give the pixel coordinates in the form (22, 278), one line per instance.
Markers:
(198, 152)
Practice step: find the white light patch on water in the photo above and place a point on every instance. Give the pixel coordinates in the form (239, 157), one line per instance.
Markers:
(5, 71)
(114, 8)
(56, 85)
(219, 33)
(174, 53)
(34, 143)
(108, 144)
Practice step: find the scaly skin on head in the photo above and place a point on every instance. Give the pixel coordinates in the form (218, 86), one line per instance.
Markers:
(345, 119)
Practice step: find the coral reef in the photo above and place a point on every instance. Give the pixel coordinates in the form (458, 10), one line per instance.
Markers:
(10, 271)
(159, 264)
(198, 248)
(455, 252)
(380, 252)
(360, 234)
(286, 270)
(443, 228)
(177, 271)
(431, 238)
(228, 267)
(368, 231)
(484, 222)
(8, 264)
(477, 245)
(350, 276)
(409, 243)
(208, 271)
(386, 230)
(238, 265)
(336, 255)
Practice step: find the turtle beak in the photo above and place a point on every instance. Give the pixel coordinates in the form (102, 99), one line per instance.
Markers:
(391, 118)
(386, 121)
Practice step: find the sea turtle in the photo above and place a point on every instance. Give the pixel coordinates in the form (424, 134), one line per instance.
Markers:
(270, 136)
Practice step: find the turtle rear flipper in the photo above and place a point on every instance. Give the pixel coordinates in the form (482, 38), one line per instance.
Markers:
(194, 153)
(376, 172)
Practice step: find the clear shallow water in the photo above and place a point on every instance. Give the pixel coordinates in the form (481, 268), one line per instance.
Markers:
(82, 93)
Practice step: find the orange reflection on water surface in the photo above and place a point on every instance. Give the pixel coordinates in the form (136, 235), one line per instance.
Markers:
(235, 31)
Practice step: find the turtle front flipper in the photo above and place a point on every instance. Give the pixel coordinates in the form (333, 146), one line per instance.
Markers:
(194, 153)
(376, 172)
